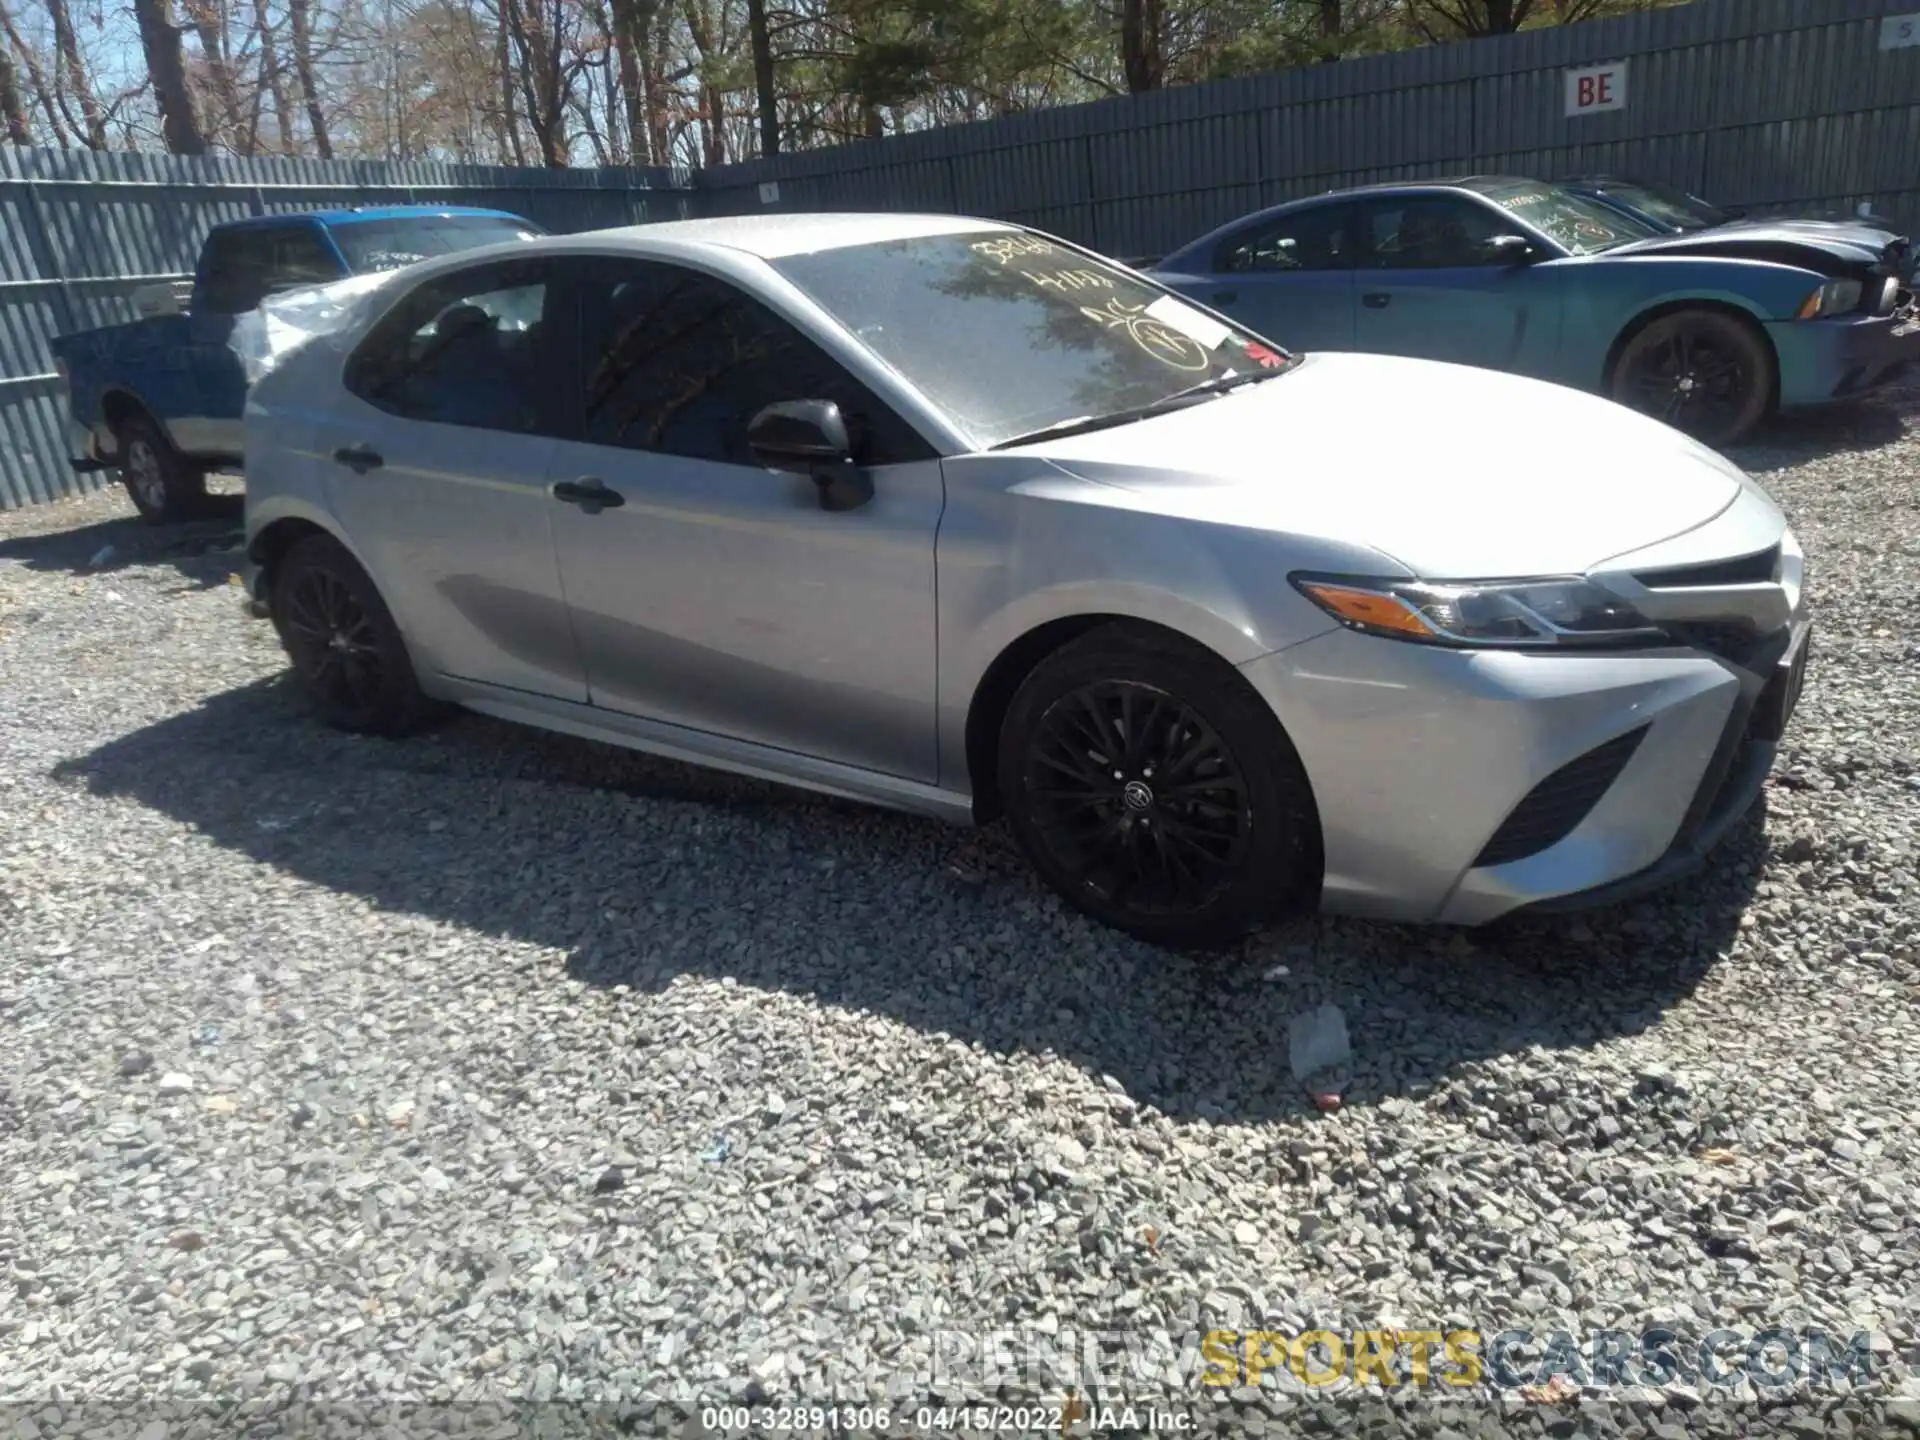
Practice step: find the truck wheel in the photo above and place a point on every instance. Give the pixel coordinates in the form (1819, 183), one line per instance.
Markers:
(162, 484)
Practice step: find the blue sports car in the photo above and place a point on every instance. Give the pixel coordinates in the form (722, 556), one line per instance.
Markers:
(1709, 329)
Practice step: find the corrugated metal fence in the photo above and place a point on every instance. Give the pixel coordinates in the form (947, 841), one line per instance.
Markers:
(1761, 102)
(1757, 102)
(79, 232)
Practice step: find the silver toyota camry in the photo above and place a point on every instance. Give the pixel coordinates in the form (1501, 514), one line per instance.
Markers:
(953, 516)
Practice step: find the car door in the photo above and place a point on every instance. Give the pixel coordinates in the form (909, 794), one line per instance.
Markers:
(438, 454)
(1429, 287)
(242, 267)
(1290, 278)
(717, 594)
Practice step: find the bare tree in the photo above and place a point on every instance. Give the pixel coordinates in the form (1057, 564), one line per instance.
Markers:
(1451, 19)
(11, 107)
(93, 123)
(299, 23)
(38, 90)
(166, 64)
(766, 102)
(1142, 44)
(209, 24)
(272, 78)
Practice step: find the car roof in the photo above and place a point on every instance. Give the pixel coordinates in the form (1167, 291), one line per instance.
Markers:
(769, 237)
(372, 212)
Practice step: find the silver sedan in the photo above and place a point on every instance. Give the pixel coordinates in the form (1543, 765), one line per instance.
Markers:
(953, 516)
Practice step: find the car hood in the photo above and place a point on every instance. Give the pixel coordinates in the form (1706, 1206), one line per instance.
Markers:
(1820, 245)
(1452, 471)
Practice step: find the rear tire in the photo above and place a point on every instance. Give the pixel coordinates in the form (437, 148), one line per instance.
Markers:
(1156, 792)
(164, 485)
(348, 656)
(1701, 371)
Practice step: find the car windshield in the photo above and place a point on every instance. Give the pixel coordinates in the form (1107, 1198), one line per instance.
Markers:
(1671, 207)
(389, 244)
(1010, 333)
(1573, 221)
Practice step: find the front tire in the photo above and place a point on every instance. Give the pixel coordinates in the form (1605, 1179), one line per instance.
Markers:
(163, 485)
(1154, 791)
(1704, 372)
(348, 655)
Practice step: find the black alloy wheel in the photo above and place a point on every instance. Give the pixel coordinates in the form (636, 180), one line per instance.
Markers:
(1154, 790)
(347, 653)
(1700, 371)
(1139, 797)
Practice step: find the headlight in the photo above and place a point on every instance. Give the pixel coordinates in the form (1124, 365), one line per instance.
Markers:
(1547, 613)
(1836, 297)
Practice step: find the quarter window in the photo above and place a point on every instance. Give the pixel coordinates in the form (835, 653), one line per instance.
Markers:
(1315, 239)
(464, 349)
(679, 362)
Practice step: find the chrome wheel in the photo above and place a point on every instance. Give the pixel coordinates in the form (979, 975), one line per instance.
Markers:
(1137, 798)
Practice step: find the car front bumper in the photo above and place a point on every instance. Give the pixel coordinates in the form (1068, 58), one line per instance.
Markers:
(1826, 360)
(1420, 759)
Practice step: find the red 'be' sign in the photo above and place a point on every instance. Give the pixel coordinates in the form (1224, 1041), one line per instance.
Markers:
(1597, 87)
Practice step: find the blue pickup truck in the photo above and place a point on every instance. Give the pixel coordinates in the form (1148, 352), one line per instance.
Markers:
(160, 398)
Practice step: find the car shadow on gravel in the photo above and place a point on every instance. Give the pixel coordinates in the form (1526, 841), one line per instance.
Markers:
(205, 551)
(534, 837)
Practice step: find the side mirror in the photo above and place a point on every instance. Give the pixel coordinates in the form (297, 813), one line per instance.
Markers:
(809, 437)
(1508, 250)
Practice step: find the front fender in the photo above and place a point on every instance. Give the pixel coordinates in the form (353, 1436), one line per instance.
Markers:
(1012, 559)
(1610, 298)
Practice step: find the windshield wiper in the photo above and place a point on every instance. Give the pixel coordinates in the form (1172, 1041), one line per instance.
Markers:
(1084, 424)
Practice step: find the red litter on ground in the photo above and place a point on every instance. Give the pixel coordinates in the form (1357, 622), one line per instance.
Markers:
(1327, 1100)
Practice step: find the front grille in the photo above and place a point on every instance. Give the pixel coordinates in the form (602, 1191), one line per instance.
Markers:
(1560, 802)
(1755, 569)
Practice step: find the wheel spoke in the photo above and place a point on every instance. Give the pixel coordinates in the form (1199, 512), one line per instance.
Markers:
(1135, 798)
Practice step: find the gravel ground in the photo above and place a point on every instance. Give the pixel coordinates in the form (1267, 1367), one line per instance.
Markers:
(499, 1066)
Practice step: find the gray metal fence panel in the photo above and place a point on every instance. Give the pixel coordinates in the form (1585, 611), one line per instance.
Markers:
(1756, 102)
(79, 232)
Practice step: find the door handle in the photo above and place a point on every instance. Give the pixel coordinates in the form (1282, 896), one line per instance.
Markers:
(1225, 297)
(589, 492)
(359, 458)
(1377, 300)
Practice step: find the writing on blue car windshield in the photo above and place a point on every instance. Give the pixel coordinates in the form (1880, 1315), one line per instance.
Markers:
(1581, 225)
(1012, 334)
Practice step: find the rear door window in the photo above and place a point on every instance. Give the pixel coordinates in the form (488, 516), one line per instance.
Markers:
(1316, 239)
(469, 349)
